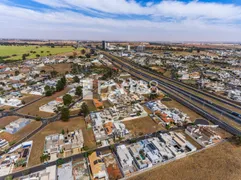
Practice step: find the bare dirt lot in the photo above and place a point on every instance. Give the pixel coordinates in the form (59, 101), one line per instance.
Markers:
(60, 68)
(33, 109)
(221, 162)
(56, 127)
(29, 98)
(142, 126)
(6, 120)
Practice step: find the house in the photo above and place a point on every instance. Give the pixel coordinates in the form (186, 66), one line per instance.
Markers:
(15, 126)
(3, 144)
(97, 167)
(205, 135)
(64, 144)
(125, 159)
(49, 173)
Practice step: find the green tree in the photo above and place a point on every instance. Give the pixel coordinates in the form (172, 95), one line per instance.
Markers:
(63, 132)
(53, 74)
(8, 177)
(63, 80)
(87, 56)
(24, 57)
(59, 86)
(78, 91)
(16, 73)
(85, 109)
(76, 79)
(65, 114)
(48, 93)
(83, 51)
(67, 99)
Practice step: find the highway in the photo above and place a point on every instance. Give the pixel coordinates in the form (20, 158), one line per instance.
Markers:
(231, 123)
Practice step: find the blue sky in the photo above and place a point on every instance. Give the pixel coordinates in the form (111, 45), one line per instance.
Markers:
(134, 20)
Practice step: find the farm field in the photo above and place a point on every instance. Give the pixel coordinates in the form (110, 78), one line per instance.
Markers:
(56, 127)
(16, 52)
(33, 109)
(220, 162)
(142, 126)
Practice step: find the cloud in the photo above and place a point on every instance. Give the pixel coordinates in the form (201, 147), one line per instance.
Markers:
(166, 20)
(175, 9)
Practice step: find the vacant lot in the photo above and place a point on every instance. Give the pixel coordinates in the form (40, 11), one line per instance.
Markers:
(56, 127)
(33, 109)
(142, 126)
(21, 133)
(60, 68)
(16, 52)
(221, 162)
(6, 120)
(29, 98)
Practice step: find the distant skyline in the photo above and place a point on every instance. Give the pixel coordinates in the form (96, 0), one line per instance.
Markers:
(123, 20)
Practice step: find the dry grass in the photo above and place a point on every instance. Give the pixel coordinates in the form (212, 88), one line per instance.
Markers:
(174, 104)
(221, 162)
(29, 98)
(33, 109)
(21, 133)
(60, 68)
(142, 126)
(6, 120)
(56, 127)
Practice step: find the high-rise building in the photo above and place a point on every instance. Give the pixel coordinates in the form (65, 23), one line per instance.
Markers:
(104, 45)
(140, 48)
(128, 47)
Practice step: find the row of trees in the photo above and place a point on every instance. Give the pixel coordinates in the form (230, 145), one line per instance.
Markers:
(59, 87)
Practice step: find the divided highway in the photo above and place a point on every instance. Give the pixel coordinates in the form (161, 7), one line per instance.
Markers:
(205, 107)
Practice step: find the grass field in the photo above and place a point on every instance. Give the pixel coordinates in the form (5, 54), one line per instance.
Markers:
(56, 127)
(16, 52)
(221, 162)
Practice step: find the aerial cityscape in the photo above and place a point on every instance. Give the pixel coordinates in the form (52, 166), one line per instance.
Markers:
(120, 89)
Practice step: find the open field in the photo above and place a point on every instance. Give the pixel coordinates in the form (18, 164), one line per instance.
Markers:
(33, 109)
(16, 52)
(21, 133)
(142, 126)
(6, 120)
(221, 162)
(29, 98)
(60, 68)
(56, 127)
